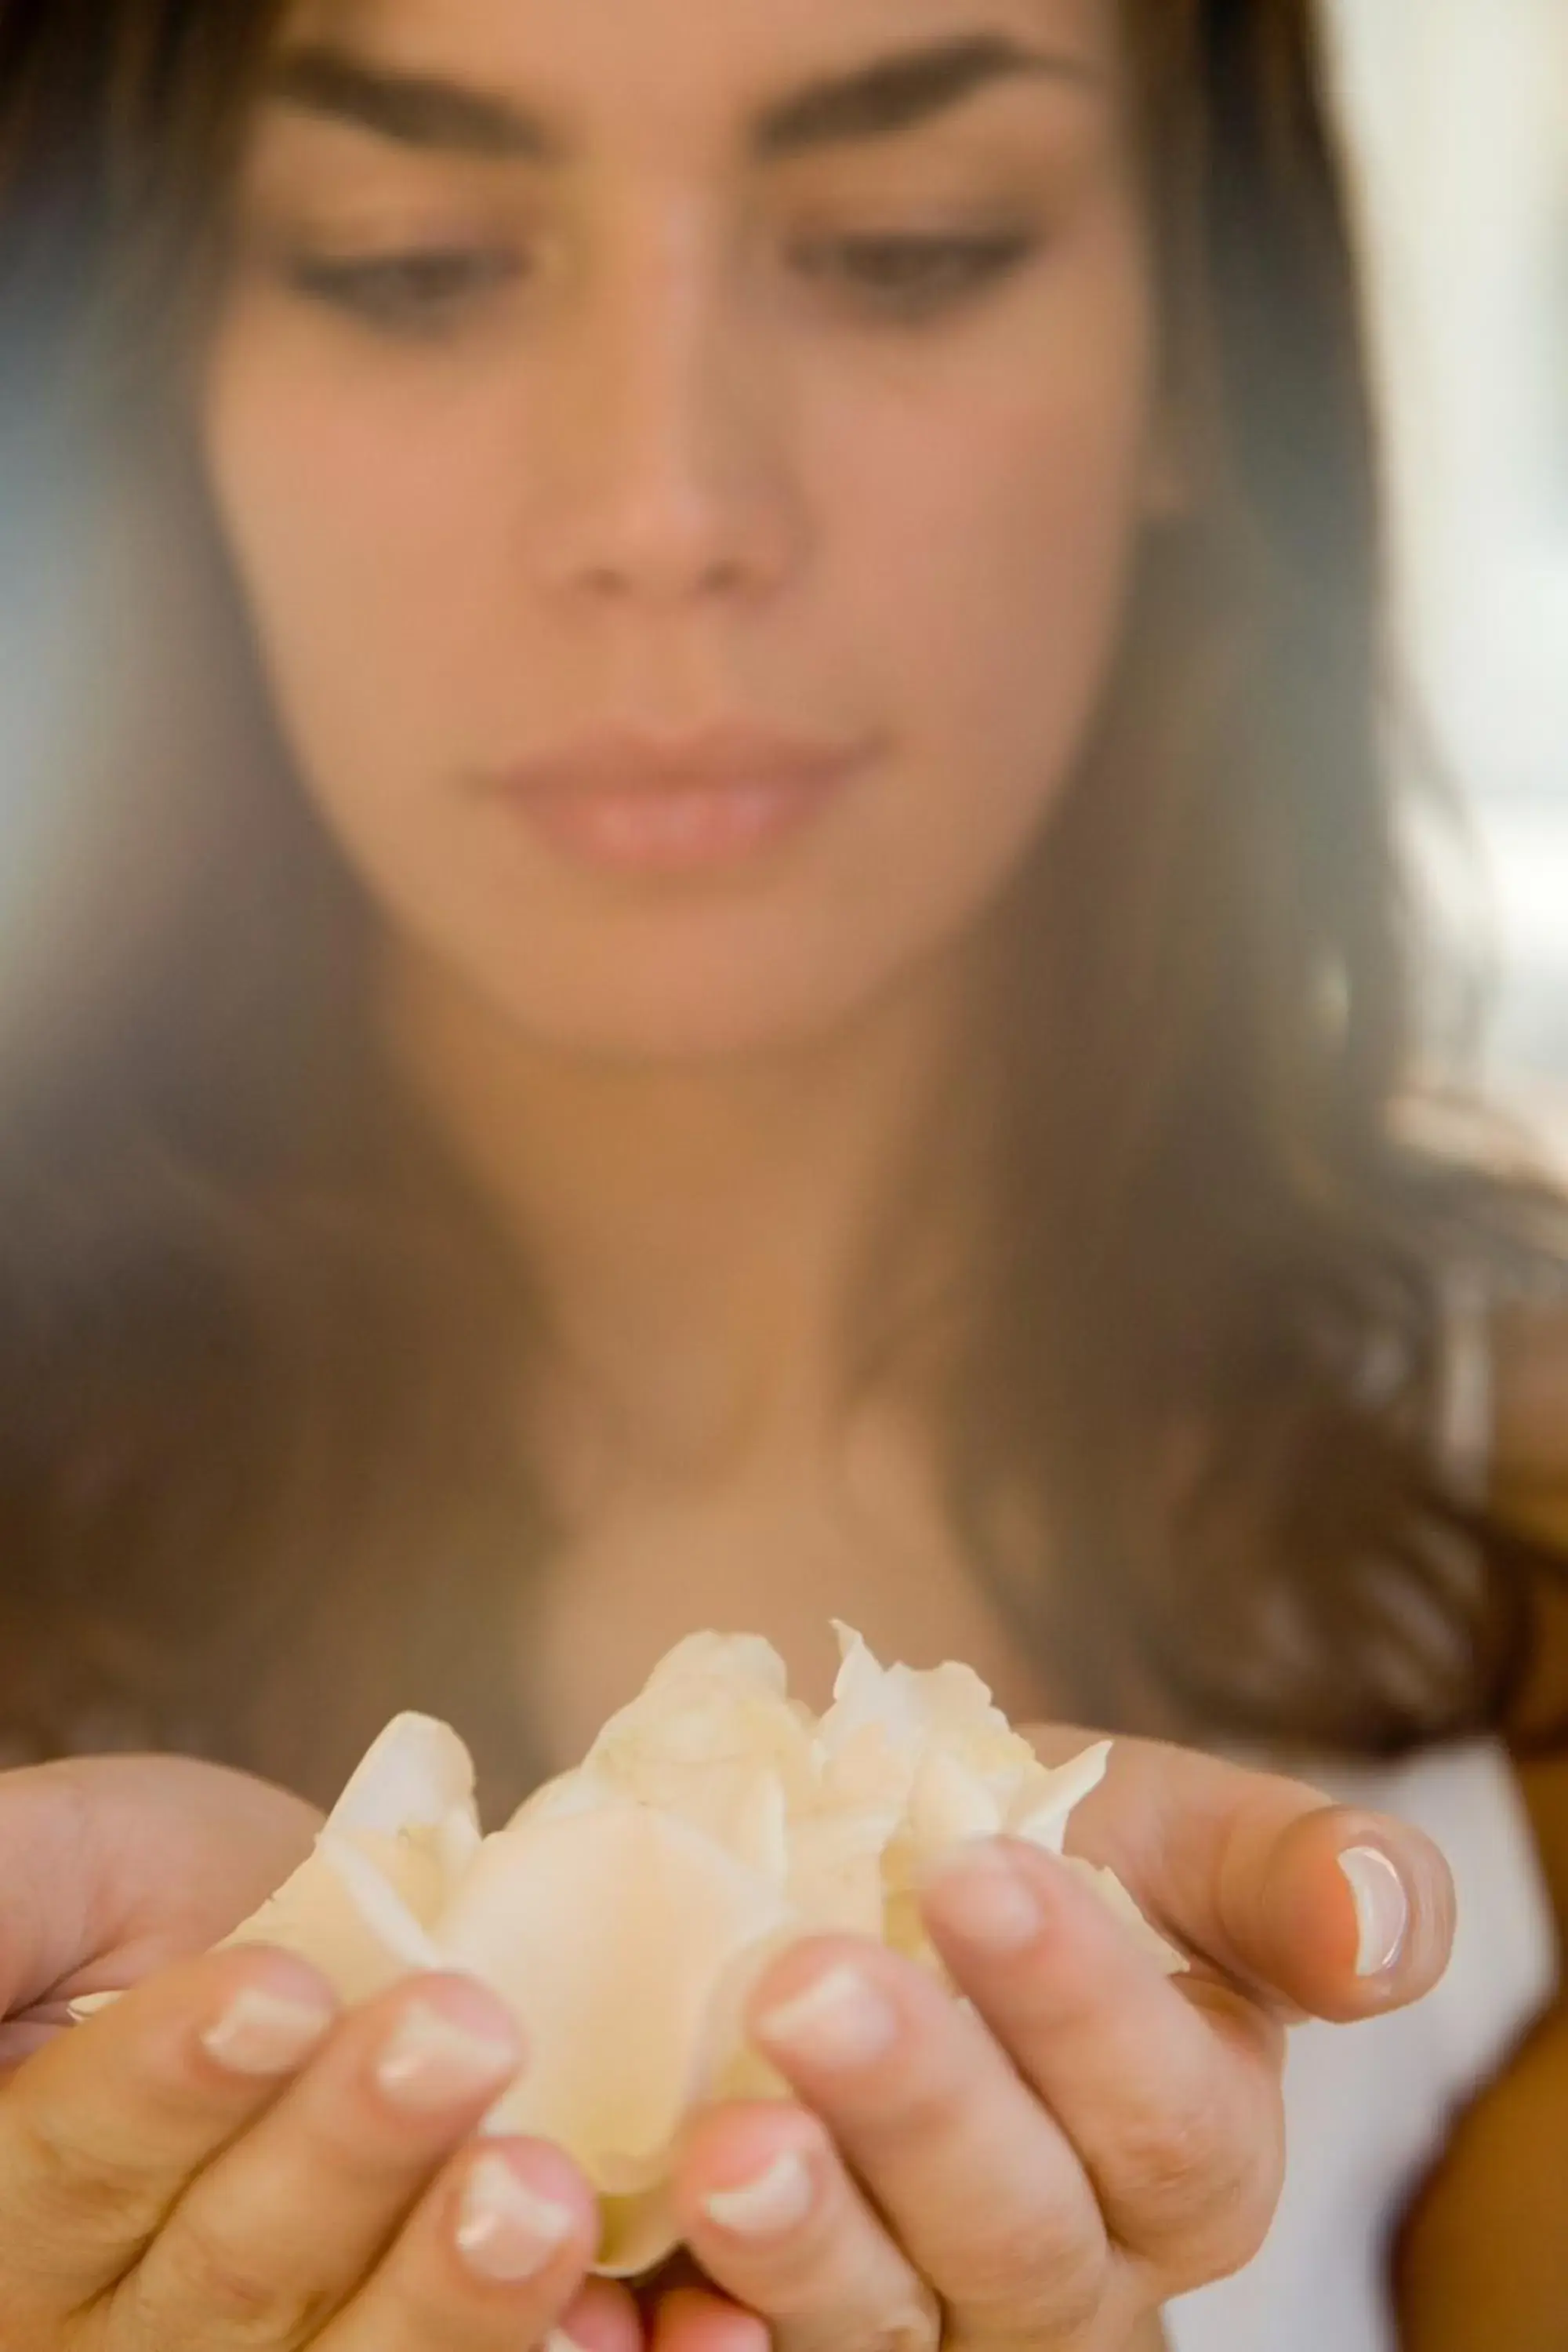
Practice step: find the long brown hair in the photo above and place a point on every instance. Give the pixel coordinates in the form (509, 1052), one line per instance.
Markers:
(260, 1352)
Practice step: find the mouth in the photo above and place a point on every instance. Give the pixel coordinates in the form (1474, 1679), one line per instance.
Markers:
(639, 805)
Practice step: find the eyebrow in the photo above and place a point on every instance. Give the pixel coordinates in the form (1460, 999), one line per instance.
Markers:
(880, 100)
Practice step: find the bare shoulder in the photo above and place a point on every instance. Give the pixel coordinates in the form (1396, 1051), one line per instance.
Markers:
(1480, 2255)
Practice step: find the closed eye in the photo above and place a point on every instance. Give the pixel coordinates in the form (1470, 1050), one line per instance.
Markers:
(406, 292)
(930, 272)
(424, 292)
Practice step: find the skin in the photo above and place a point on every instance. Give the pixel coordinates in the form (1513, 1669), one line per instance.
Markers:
(687, 464)
(680, 473)
(153, 2199)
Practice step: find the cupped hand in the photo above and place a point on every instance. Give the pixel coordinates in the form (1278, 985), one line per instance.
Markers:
(112, 1866)
(1088, 2137)
(222, 2161)
(1108, 2075)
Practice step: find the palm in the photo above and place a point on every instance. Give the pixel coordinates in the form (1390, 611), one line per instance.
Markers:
(117, 1865)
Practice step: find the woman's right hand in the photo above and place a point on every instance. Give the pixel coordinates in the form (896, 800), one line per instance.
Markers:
(223, 2160)
(111, 1866)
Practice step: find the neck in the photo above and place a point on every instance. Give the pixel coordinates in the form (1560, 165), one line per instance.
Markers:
(701, 1236)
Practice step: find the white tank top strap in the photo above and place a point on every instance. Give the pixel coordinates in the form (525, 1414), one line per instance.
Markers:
(1369, 2107)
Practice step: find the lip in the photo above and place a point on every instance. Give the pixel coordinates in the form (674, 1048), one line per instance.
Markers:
(625, 759)
(628, 800)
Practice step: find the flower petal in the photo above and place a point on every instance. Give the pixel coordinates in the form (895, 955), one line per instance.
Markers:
(1046, 1797)
(616, 1936)
(395, 1848)
(417, 1774)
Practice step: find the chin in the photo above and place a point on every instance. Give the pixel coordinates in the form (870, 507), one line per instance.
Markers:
(662, 1028)
(718, 1009)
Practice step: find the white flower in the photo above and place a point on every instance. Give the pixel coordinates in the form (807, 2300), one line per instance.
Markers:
(625, 1910)
(397, 1847)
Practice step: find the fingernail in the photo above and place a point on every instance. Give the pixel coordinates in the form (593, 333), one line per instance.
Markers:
(431, 2062)
(267, 2033)
(777, 2200)
(1382, 1907)
(840, 2020)
(982, 1896)
(505, 2230)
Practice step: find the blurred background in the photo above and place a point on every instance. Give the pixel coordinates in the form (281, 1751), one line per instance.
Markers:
(1458, 113)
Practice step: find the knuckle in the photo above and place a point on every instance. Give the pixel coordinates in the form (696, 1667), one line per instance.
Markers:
(1238, 2219)
(910, 2331)
(1174, 2160)
(1206, 2195)
(912, 2327)
(54, 2178)
(205, 2279)
(1071, 2296)
(1045, 2280)
(1004, 2265)
(437, 2298)
(1068, 2303)
(900, 2332)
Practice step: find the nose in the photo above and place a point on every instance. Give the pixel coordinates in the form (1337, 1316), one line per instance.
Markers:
(667, 478)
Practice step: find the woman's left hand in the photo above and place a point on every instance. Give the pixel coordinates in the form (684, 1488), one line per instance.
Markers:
(1092, 2137)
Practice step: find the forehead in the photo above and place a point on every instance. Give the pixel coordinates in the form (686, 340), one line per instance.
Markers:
(778, 77)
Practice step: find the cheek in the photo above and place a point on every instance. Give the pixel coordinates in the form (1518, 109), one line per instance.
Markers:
(999, 580)
(362, 551)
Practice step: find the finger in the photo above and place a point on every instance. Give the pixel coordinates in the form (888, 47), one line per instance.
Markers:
(1168, 2090)
(22, 2037)
(115, 1865)
(284, 2226)
(102, 2132)
(602, 2316)
(491, 2261)
(693, 2319)
(772, 2216)
(1245, 1867)
(980, 2186)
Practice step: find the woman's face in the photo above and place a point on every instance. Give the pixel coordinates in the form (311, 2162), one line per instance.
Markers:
(572, 372)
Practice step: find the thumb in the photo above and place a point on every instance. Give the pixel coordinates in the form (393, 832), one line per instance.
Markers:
(1315, 1908)
(1335, 1911)
(112, 1866)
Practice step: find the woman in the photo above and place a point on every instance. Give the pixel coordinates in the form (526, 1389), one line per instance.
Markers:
(506, 1159)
